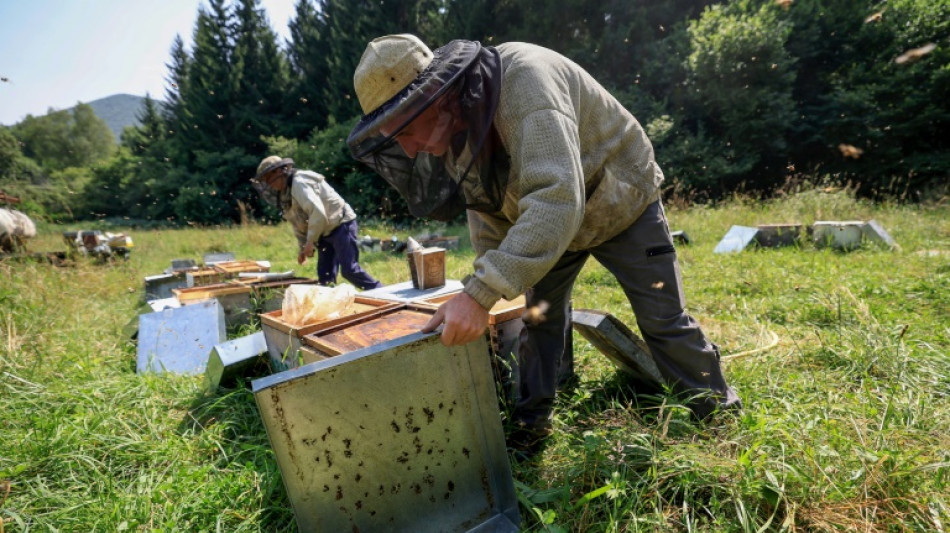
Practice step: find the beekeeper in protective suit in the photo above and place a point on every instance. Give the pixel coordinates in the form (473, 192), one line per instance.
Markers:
(551, 170)
(321, 220)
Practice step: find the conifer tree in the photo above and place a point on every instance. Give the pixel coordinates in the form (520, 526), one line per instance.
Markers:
(177, 84)
(259, 79)
(205, 120)
(308, 54)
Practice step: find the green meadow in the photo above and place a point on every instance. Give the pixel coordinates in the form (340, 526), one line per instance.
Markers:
(841, 360)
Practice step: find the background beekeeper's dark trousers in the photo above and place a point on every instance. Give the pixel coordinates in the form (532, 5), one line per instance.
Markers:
(339, 250)
(643, 261)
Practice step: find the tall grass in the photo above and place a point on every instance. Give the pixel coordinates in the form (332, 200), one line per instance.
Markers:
(840, 358)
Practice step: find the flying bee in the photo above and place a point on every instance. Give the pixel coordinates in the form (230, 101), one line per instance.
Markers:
(850, 151)
(536, 314)
(914, 54)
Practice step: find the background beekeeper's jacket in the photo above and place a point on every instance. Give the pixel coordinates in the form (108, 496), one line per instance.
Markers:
(316, 209)
(582, 171)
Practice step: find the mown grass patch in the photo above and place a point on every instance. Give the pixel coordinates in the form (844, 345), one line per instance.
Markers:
(841, 360)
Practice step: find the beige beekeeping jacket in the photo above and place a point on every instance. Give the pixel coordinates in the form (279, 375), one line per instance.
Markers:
(316, 208)
(582, 170)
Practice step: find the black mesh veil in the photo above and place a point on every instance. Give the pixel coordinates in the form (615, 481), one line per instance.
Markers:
(434, 141)
(280, 200)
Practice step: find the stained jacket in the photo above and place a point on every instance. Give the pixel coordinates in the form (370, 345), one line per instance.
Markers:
(316, 208)
(582, 170)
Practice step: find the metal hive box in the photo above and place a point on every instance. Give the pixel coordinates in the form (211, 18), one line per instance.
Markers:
(403, 436)
(232, 360)
(736, 239)
(161, 285)
(179, 340)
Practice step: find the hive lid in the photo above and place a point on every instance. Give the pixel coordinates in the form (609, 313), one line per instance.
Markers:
(621, 345)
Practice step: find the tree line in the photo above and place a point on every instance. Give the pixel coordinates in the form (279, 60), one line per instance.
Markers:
(743, 95)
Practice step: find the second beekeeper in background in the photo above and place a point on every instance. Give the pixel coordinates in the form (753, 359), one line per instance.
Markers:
(321, 219)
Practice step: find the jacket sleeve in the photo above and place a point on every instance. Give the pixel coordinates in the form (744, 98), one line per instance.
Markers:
(300, 230)
(549, 187)
(309, 200)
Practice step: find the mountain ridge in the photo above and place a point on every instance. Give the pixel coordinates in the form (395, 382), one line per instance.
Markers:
(119, 111)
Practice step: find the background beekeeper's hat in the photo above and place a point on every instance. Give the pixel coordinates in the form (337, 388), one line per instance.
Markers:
(388, 65)
(270, 163)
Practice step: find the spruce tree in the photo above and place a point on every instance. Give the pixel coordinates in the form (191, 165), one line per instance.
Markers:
(205, 119)
(308, 52)
(259, 79)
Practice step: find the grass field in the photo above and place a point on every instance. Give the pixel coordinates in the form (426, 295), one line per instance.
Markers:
(841, 360)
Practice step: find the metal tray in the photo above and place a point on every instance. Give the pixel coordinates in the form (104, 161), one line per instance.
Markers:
(405, 292)
(402, 436)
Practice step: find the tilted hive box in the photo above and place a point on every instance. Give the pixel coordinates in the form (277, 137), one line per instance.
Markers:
(401, 436)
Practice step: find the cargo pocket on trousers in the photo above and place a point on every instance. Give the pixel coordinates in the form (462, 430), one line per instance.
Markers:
(667, 282)
(661, 250)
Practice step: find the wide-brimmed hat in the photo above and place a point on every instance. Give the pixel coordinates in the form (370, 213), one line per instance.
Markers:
(461, 84)
(387, 66)
(271, 163)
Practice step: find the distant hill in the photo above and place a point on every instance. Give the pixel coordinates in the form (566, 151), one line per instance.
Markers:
(119, 111)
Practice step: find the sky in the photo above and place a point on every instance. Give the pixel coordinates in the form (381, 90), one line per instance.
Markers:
(56, 53)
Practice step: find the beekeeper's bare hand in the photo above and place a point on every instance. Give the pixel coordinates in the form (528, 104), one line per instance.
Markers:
(465, 320)
(306, 252)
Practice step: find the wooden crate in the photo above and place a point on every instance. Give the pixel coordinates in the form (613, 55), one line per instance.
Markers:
(284, 339)
(206, 276)
(234, 298)
(206, 292)
(236, 267)
(369, 330)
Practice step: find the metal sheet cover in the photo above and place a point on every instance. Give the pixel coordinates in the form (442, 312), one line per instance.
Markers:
(405, 292)
(736, 239)
(403, 436)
